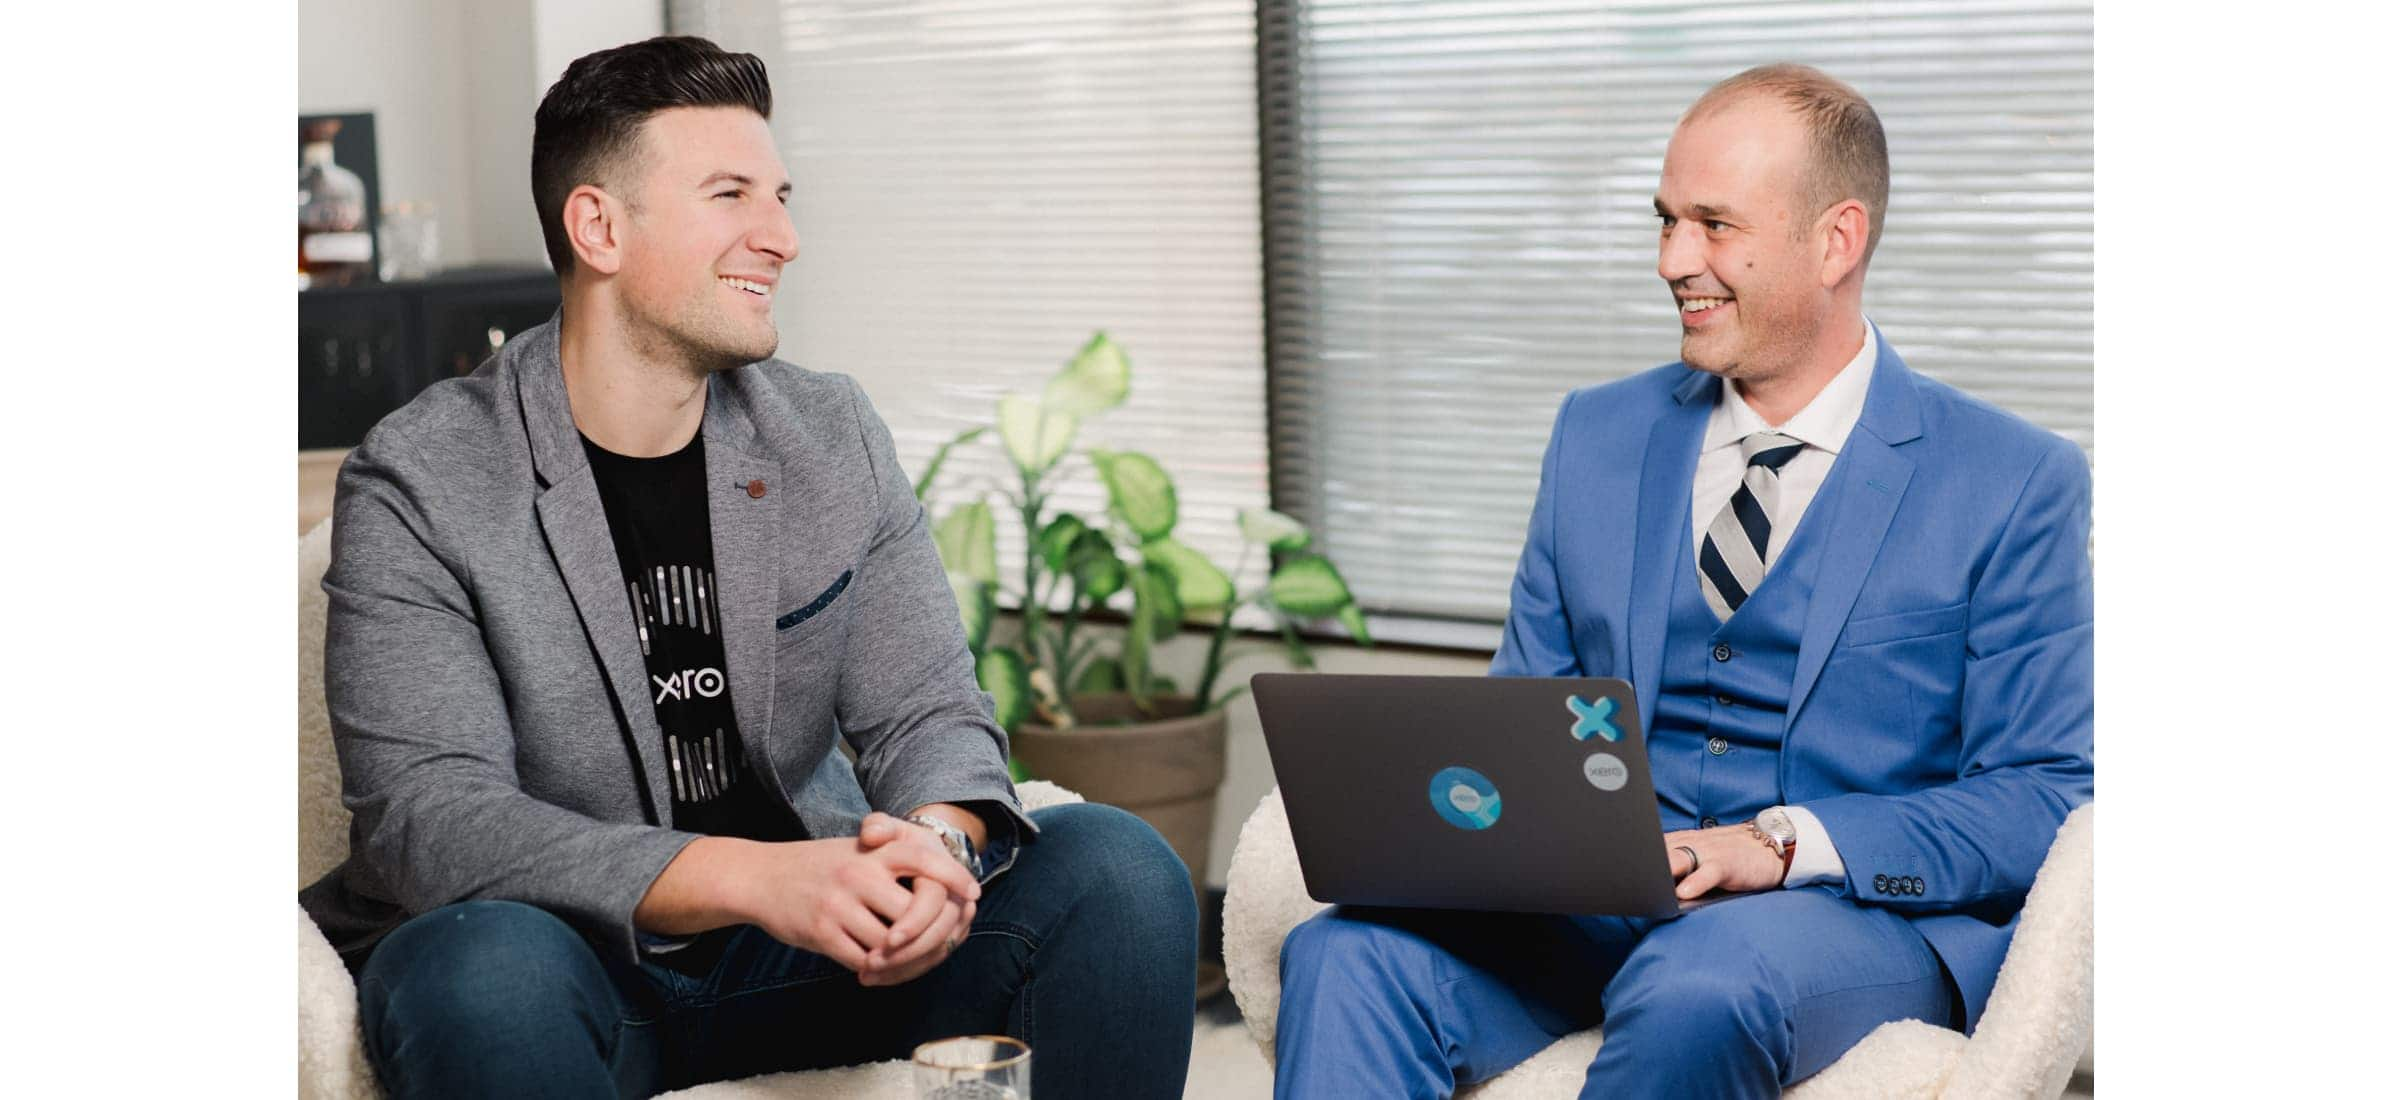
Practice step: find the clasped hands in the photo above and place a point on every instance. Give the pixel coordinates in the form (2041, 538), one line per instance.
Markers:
(889, 904)
(1732, 858)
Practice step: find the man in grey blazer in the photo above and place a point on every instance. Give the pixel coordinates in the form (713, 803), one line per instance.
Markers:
(600, 613)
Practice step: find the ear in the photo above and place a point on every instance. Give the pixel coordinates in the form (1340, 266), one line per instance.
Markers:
(1844, 242)
(594, 226)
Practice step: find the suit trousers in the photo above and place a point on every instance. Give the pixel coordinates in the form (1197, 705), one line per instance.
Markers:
(1085, 949)
(1739, 998)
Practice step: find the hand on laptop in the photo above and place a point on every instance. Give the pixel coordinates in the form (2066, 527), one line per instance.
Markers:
(1731, 859)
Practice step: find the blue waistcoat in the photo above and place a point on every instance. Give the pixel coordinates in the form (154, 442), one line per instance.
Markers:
(1720, 716)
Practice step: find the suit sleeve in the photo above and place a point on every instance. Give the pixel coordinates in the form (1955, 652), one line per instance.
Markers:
(1536, 631)
(2026, 721)
(420, 724)
(909, 699)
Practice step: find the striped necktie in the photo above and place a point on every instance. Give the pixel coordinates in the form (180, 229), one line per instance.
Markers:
(1735, 551)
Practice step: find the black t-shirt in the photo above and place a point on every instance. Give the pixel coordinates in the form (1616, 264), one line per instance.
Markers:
(656, 511)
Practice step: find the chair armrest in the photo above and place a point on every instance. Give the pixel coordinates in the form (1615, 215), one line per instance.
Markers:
(1266, 900)
(332, 1063)
(2040, 1016)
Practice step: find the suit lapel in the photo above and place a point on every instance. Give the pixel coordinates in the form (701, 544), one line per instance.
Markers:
(1663, 498)
(745, 564)
(573, 519)
(1863, 492)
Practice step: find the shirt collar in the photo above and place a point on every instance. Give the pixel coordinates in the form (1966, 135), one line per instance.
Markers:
(1825, 423)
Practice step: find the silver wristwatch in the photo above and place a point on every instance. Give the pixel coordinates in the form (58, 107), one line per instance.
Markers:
(1775, 827)
(957, 842)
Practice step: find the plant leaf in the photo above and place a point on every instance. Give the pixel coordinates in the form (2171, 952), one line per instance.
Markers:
(976, 602)
(1141, 493)
(938, 458)
(1136, 652)
(1277, 530)
(1351, 616)
(967, 541)
(1034, 435)
(1102, 674)
(1096, 567)
(1055, 543)
(1157, 602)
(1006, 678)
(1096, 379)
(1308, 587)
(1200, 584)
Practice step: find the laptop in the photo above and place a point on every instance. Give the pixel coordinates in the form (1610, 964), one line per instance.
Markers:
(1481, 793)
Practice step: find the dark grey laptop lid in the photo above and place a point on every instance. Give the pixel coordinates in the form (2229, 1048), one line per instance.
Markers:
(1554, 812)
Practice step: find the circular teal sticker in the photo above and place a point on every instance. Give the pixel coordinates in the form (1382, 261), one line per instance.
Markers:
(1464, 798)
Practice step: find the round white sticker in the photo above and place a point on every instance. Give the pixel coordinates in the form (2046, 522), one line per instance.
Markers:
(1606, 772)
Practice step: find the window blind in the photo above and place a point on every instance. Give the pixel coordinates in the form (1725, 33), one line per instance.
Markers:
(1458, 196)
(982, 184)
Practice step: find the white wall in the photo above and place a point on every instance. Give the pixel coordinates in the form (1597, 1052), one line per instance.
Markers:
(389, 58)
(452, 86)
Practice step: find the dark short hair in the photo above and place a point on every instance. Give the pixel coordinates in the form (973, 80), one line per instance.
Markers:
(588, 126)
(1847, 154)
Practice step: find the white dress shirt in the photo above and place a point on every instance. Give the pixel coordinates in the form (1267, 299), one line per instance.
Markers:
(1824, 425)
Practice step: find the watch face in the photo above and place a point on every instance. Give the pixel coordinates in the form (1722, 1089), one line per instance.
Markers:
(1777, 823)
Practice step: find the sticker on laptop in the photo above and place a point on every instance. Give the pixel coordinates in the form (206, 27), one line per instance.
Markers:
(1464, 798)
(1593, 719)
(1606, 772)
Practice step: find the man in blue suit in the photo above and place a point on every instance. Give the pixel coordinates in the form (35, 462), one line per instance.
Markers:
(1856, 606)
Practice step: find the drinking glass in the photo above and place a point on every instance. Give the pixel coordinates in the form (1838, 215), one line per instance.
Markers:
(972, 1067)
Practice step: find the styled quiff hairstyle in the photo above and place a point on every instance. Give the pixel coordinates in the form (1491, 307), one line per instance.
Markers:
(587, 129)
(1847, 157)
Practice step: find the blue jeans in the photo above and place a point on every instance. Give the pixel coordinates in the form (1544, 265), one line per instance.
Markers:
(1086, 950)
(1737, 999)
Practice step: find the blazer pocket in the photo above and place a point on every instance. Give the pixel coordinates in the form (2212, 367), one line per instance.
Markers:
(1905, 625)
(789, 622)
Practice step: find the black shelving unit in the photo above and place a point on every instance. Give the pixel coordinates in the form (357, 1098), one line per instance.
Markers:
(366, 350)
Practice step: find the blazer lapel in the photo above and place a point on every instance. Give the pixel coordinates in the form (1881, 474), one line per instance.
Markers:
(574, 520)
(746, 568)
(1864, 490)
(1664, 496)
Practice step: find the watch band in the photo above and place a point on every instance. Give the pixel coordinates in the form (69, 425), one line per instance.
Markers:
(957, 842)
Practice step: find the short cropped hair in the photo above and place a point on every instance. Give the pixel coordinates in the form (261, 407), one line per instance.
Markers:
(1847, 154)
(587, 130)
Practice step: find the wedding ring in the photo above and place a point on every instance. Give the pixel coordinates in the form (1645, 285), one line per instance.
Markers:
(1692, 858)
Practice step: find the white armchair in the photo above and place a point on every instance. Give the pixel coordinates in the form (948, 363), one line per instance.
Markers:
(332, 1063)
(2037, 1023)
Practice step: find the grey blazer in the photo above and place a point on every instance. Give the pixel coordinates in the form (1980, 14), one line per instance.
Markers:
(489, 703)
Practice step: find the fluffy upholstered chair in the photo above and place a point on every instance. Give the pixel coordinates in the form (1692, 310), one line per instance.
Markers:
(331, 1048)
(2036, 1024)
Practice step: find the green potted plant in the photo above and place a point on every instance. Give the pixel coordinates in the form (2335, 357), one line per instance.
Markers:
(1083, 703)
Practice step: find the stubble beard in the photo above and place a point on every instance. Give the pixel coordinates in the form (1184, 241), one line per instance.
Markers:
(1763, 350)
(701, 339)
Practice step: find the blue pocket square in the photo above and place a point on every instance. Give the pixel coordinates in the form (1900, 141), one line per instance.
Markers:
(815, 606)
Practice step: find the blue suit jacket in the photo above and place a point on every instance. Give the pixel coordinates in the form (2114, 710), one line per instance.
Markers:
(1941, 718)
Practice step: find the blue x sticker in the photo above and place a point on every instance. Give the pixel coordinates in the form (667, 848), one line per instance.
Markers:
(1593, 718)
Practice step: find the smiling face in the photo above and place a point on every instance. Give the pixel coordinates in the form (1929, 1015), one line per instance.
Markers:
(705, 239)
(1740, 249)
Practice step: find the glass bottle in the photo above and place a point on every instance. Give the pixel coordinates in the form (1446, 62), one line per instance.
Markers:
(334, 247)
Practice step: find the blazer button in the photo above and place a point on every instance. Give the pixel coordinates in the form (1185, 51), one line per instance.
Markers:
(1879, 883)
(756, 489)
(1710, 823)
(1721, 652)
(1718, 746)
